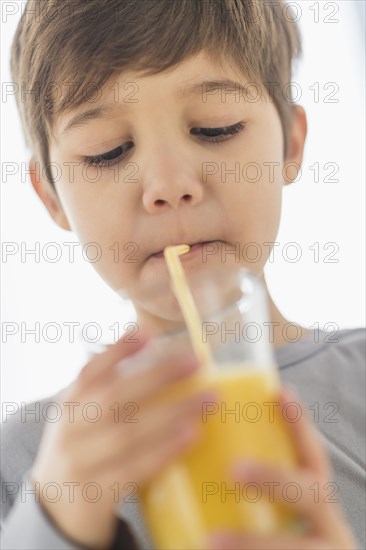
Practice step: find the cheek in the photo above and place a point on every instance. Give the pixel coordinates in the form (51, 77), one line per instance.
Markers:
(102, 227)
(254, 214)
(93, 209)
(251, 189)
(253, 204)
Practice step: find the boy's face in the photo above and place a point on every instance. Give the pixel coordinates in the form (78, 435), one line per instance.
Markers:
(171, 182)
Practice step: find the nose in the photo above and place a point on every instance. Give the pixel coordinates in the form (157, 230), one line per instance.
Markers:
(170, 182)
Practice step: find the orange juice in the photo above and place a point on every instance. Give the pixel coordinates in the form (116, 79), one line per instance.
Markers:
(195, 494)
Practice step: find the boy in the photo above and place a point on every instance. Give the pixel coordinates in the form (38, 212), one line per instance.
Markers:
(131, 103)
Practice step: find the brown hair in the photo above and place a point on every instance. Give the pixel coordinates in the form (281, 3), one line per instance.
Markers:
(84, 43)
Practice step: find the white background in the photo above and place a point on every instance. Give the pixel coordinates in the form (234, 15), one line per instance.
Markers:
(307, 292)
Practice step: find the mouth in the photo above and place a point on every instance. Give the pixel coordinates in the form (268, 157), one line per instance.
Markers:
(195, 248)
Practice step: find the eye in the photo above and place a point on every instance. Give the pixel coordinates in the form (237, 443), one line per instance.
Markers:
(110, 158)
(219, 134)
(207, 134)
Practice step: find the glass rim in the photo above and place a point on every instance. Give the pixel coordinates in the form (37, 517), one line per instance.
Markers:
(237, 304)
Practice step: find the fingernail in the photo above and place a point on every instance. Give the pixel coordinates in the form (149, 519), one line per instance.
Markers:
(219, 541)
(245, 470)
(189, 362)
(289, 392)
(207, 397)
(187, 428)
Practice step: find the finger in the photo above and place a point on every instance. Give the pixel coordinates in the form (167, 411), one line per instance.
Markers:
(142, 376)
(137, 434)
(157, 453)
(116, 398)
(306, 438)
(226, 541)
(296, 489)
(98, 366)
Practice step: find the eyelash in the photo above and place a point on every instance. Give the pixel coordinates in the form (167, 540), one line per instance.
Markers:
(99, 161)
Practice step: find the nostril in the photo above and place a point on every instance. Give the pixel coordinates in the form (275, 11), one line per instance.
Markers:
(159, 203)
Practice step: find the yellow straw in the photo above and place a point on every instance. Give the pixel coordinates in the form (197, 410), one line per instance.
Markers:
(186, 302)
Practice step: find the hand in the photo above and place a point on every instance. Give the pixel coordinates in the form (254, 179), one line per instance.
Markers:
(113, 438)
(327, 527)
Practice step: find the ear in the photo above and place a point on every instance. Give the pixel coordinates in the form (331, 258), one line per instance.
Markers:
(48, 195)
(297, 137)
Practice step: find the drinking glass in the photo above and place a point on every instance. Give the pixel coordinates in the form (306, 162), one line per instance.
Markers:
(195, 493)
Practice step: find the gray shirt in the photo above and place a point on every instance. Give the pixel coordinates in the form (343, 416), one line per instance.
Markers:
(328, 372)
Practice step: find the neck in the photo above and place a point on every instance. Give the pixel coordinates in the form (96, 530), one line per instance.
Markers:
(282, 331)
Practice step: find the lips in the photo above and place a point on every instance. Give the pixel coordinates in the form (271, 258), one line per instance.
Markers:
(194, 247)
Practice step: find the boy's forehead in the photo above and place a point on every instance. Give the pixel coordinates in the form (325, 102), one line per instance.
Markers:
(200, 78)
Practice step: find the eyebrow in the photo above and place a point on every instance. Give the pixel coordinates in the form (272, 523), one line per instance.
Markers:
(210, 86)
(206, 87)
(86, 116)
